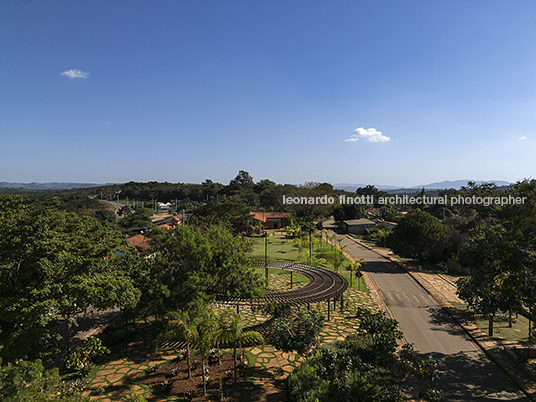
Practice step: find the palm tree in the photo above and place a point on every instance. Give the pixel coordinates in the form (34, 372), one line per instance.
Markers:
(356, 264)
(207, 324)
(235, 333)
(300, 242)
(179, 327)
(337, 258)
(318, 237)
(313, 260)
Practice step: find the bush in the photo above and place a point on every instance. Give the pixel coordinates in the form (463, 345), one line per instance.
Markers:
(81, 358)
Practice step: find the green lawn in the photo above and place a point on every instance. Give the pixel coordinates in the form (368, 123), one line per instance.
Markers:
(501, 329)
(283, 249)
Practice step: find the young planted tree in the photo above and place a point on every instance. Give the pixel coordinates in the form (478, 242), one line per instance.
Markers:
(355, 264)
(337, 258)
(235, 334)
(200, 329)
(207, 325)
(179, 327)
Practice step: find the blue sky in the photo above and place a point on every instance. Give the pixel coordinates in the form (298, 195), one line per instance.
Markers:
(382, 92)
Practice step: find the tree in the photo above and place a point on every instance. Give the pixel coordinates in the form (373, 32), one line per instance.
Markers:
(192, 263)
(355, 265)
(419, 235)
(235, 334)
(53, 266)
(207, 325)
(179, 327)
(337, 258)
(81, 358)
(199, 328)
(220, 211)
(310, 211)
(242, 181)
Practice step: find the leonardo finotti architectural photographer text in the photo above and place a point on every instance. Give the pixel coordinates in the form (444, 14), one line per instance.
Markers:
(404, 200)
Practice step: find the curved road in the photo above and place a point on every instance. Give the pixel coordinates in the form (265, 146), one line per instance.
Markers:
(466, 374)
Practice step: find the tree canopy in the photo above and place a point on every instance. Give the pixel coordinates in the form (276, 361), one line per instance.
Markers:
(192, 263)
(53, 266)
(419, 235)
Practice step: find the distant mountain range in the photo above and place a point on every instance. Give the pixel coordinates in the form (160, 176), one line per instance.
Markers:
(447, 184)
(50, 186)
(456, 184)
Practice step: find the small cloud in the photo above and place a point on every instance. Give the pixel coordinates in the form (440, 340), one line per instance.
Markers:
(371, 134)
(108, 122)
(74, 73)
(522, 138)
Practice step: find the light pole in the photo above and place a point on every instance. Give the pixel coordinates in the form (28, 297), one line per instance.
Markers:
(265, 234)
(310, 243)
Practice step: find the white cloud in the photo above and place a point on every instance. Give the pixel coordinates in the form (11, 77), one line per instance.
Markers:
(74, 73)
(522, 138)
(371, 134)
(108, 122)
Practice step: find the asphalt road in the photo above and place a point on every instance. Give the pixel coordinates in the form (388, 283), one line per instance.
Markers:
(466, 374)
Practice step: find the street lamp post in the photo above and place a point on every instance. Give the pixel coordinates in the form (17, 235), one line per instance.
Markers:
(310, 243)
(265, 234)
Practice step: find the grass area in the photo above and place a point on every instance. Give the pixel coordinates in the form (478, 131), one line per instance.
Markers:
(280, 248)
(357, 283)
(519, 331)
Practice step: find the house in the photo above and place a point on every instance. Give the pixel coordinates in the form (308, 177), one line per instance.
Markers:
(141, 242)
(272, 220)
(164, 206)
(356, 226)
(268, 220)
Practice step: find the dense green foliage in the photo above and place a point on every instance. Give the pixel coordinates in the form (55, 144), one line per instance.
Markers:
(81, 358)
(26, 381)
(191, 263)
(53, 266)
(419, 235)
(363, 367)
(298, 333)
(501, 253)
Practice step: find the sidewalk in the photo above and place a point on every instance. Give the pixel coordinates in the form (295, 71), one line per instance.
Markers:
(444, 293)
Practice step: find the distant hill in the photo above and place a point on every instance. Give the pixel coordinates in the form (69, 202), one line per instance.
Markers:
(352, 187)
(447, 184)
(457, 184)
(50, 186)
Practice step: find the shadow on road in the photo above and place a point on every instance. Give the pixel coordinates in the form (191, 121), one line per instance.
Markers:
(381, 267)
(453, 370)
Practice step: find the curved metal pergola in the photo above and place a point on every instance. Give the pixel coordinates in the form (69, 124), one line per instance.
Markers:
(323, 285)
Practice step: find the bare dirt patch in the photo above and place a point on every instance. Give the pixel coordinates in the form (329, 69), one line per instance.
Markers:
(172, 379)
